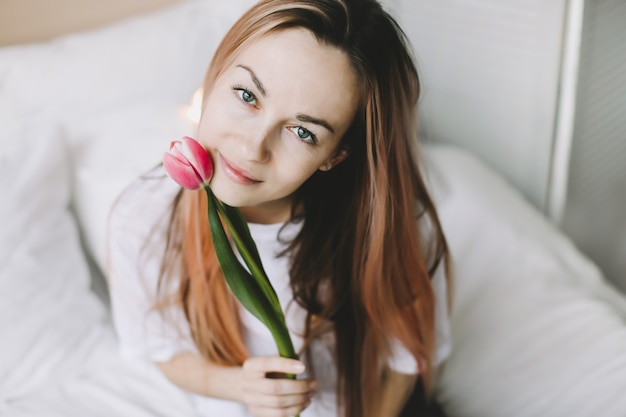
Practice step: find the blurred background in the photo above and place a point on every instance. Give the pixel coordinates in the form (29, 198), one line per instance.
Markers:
(538, 89)
(535, 88)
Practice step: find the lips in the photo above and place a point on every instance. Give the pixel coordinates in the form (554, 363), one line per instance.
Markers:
(237, 174)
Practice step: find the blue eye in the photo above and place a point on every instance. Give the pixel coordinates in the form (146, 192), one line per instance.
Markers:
(246, 95)
(304, 134)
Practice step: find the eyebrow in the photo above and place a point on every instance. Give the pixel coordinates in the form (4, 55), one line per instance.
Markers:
(314, 120)
(255, 79)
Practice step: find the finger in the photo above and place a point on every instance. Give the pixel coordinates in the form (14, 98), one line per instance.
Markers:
(281, 386)
(278, 402)
(259, 411)
(273, 364)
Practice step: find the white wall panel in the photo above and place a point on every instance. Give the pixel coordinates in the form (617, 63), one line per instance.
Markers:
(490, 73)
(595, 213)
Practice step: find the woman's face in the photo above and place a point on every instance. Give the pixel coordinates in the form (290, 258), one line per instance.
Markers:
(273, 118)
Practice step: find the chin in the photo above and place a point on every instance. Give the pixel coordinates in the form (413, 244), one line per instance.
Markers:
(227, 196)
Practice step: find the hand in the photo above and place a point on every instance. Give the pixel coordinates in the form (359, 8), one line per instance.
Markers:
(267, 394)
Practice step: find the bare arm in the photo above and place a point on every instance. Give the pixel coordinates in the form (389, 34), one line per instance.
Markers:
(194, 374)
(247, 384)
(396, 390)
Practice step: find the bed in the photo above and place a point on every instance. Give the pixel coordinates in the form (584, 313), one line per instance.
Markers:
(537, 330)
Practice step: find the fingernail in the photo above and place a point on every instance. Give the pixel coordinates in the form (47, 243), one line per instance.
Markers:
(298, 367)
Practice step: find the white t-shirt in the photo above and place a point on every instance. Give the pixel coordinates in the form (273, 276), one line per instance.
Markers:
(145, 334)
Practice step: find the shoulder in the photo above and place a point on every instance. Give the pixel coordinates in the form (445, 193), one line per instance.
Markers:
(137, 238)
(143, 205)
(139, 219)
(436, 256)
(432, 240)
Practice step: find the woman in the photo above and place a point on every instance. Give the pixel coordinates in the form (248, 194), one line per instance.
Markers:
(309, 114)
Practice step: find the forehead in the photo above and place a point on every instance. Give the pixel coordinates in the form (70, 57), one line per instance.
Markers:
(296, 68)
(298, 45)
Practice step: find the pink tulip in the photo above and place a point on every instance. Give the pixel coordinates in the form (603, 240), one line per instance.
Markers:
(188, 163)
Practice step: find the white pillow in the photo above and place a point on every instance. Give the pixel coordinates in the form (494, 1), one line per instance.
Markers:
(58, 352)
(536, 329)
(163, 53)
(85, 82)
(48, 315)
(112, 149)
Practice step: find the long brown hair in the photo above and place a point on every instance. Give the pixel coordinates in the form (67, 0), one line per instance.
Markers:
(358, 265)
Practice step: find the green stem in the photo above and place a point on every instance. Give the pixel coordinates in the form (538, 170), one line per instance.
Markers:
(256, 270)
(246, 247)
(274, 320)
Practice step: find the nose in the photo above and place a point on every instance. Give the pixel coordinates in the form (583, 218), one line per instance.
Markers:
(256, 144)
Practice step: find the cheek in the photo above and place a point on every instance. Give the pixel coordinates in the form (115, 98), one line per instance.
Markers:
(223, 116)
(295, 167)
(213, 125)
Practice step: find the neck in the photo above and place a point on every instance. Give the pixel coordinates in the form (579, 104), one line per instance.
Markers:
(265, 215)
(270, 213)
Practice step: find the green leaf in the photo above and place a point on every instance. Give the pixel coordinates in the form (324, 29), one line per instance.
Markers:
(240, 233)
(239, 224)
(244, 286)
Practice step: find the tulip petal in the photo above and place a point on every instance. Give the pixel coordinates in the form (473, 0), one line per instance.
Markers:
(176, 150)
(198, 157)
(181, 172)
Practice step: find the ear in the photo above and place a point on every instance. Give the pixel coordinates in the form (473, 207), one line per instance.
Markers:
(336, 159)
